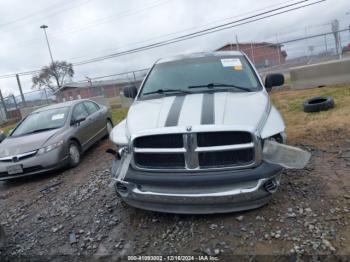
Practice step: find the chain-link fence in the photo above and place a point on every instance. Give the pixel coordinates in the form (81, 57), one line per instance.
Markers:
(109, 86)
(272, 56)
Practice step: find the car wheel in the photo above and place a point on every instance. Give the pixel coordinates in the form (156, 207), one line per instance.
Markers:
(318, 104)
(74, 154)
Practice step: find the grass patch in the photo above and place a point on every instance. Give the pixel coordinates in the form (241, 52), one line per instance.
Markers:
(314, 128)
(6, 129)
(118, 115)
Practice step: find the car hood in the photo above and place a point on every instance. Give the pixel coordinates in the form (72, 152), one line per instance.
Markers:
(13, 146)
(244, 109)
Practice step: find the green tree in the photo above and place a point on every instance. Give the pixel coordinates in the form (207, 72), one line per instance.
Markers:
(53, 76)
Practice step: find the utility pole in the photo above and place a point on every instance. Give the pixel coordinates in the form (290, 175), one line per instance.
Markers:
(44, 27)
(90, 82)
(237, 44)
(348, 13)
(325, 43)
(20, 90)
(278, 50)
(252, 51)
(307, 42)
(133, 73)
(3, 104)
(335, 30)
(14, 101)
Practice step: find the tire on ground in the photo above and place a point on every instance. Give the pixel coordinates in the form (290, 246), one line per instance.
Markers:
(317, 104)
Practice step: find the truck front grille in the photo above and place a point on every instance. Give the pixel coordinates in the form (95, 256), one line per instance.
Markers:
(223, 138)
(160, 160)
(204, 150)
(226, 158)
(159, 141)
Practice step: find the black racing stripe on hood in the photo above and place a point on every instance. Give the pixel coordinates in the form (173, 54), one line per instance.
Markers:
(208, 116)
(174, 112)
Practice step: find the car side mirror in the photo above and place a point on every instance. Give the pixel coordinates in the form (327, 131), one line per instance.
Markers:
(130, 91)
(272, 80)
(78, 121)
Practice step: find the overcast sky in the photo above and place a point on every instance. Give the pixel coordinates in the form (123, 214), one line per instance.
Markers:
(83, 29)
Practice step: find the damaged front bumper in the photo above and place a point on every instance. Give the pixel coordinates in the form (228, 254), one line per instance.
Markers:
(203, 192)
(207, 192)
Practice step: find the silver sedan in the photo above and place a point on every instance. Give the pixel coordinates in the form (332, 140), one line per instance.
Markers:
(53, 137)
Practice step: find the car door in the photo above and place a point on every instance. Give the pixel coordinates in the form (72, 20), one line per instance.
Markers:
(96, 117)
(84, 130)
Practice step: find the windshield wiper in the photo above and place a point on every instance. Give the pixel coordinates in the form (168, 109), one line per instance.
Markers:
(212, 85)
(40, 130)
(164, 91)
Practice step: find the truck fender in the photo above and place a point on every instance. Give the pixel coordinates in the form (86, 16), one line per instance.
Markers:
(274, 124)
(119, 134)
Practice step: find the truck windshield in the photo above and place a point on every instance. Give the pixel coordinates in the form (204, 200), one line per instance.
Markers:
(183, 75)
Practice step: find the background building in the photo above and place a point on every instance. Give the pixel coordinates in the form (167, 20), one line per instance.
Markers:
(261, 54)
(105, 88)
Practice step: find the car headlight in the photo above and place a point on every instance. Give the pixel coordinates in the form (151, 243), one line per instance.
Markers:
(49, 148)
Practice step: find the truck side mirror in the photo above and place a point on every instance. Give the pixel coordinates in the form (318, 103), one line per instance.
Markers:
(2, 136)
(272, 80)
(130, 91)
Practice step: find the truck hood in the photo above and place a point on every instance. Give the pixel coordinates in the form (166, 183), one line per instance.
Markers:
(220, 109)
(13, 146)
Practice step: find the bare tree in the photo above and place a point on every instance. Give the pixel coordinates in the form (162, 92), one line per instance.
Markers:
(53, 76)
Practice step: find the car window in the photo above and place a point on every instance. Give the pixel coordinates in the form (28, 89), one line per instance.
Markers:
(91, 107)
(42, 121)
(79, 112)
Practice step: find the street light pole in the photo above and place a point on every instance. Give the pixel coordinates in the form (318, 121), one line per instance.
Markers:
(48, 45)
(47, 41)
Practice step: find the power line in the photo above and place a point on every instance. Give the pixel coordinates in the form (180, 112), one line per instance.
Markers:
(203, 32)
(55, 11)
(196, 27)
(211, 30)
(113, 17)
(32, 14)
(127, 13)
(284, 42)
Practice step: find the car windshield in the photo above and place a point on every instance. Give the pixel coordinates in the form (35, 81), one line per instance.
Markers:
(233, 73)
(42, 121)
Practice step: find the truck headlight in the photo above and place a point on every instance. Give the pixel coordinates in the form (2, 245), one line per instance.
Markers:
(49, 148)
(279, 138)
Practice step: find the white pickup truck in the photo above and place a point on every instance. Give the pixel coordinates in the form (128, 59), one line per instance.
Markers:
(193, 140)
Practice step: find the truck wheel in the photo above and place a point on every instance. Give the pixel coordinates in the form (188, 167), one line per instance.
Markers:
(317, 104)
(74, 154)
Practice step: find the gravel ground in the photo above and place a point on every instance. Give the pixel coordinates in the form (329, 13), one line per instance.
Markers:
(75, 213)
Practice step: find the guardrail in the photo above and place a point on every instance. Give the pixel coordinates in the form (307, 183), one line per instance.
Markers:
(322, 74)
